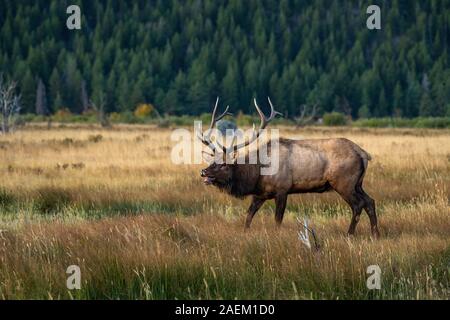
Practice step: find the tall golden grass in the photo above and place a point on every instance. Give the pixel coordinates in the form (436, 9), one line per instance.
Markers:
(112, 202)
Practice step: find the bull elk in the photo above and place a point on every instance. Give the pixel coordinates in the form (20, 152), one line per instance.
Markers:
(305, 166)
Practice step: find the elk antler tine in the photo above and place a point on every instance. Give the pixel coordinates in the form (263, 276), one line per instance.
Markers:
(213, 118)
(261, 114)
(264, 122)
(225, 149)
(200, 137)
(233, 142)
(209, 154)
(226, 113)
(204, 141)
(270, 102)
(273, 112)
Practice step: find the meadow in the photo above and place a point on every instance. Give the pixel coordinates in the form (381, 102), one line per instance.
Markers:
(140, 227)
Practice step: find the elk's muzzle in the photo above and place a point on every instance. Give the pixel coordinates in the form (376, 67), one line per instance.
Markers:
(207, 180)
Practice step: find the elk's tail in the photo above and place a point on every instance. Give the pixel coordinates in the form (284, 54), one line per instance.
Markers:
(365, 156)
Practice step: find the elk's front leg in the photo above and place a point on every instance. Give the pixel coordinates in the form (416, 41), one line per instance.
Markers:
(254, 207)
(280, 203)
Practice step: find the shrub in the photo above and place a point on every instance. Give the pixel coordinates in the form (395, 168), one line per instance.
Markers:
(63, 115)
(125, 117)
(51, 200)
(95, 138)
(164, 123)
(334, 119)
(373, 123)
(115, 117)
(205, 118)
(90, 112)
(183, 120)
(364, 112)
(244, 120)
(84, 118)
(437, 123)
(30, 117)
(144, 110)
(6, 198)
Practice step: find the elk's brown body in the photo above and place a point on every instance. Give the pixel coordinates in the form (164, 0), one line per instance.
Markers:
(304, 166)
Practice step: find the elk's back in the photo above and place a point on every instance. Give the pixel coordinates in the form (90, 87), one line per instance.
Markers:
(312, 165)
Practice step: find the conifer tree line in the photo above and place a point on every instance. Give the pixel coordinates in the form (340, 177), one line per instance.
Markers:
(180, 54)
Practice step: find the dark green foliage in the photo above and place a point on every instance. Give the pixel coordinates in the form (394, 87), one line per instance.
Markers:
(435, 123)
(51, 200)
(364, 112)
(334, 119)
(179, 55)
(6, 199)
(247, 120)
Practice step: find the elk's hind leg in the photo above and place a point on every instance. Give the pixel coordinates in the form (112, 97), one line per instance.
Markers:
(356, 203)
(369, 207)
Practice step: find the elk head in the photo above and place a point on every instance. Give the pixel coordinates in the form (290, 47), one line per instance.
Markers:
(220, 171)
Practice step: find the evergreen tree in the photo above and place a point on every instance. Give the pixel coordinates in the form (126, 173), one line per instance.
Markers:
(412, 97)
(28, 92)
(398, 99)
(41, 99)
(55, 89)
(72, 86)
(58, 102)
(426, 108)
(84, 96)
(230, 84)
(364, 112)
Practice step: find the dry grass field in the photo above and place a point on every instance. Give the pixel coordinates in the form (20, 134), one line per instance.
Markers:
(140, 227)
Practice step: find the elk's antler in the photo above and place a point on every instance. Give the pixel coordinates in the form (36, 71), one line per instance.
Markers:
(206, 139)
(264, 122)
(233, 147)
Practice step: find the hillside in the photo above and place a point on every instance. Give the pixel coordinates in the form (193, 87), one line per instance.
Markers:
(179, 55)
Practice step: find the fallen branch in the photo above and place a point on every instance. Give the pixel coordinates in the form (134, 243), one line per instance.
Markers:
(303, 236)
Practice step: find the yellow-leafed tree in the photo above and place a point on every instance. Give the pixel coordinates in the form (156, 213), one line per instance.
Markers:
(144, 110)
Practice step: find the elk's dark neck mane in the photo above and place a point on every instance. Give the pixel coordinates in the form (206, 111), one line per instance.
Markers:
(244, 180)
